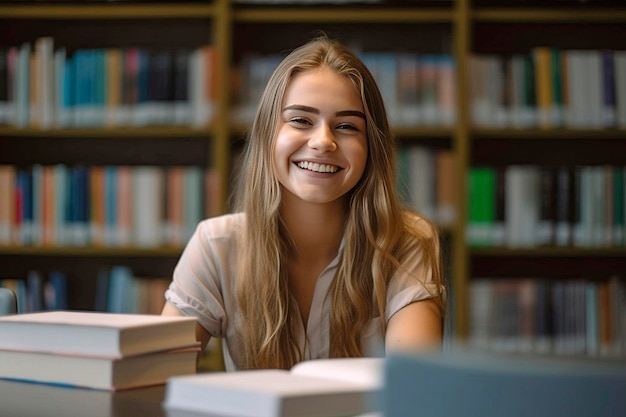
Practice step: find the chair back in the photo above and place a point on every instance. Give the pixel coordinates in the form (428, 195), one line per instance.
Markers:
(8, 302)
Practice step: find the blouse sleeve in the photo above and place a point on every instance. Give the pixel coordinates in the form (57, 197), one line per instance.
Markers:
(200, 284)
(412, 282)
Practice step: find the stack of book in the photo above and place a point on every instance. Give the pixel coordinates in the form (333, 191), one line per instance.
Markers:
(96, 350)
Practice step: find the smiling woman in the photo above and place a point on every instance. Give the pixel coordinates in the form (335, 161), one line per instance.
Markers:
(320, 259)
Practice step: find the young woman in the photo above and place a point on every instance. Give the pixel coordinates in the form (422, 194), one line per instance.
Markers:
(320, 259)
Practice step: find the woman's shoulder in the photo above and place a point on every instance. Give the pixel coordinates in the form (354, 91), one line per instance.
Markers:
(419, 225)
(224, 226)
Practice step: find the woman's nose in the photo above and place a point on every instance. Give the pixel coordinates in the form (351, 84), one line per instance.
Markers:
(323, 139)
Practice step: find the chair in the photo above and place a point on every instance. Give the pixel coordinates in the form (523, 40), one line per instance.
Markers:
(8, 302)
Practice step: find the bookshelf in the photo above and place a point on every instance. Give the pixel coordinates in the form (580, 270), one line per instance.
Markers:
(558, 287)
(161, 147)
(251, 36)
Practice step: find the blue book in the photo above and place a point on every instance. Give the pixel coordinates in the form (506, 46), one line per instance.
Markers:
(56, 291)
(462, 383)
(121, 295)
(35, 291)
(102, 290)
(25, 189)
(110, 203)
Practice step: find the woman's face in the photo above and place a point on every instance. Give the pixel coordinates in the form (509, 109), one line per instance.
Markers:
(321, 146)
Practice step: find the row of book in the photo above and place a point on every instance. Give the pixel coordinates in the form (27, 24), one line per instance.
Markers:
(418, 89)
(36, 293)
(530, 206)
(426, 182)
(92, 350)
(113, 206)
(533, 315)
(118, 290)
(46, 86)
(549, 88)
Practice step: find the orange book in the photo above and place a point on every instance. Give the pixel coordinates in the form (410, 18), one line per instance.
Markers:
(445, 187)
(543, 86)
(49, 206)
(7, 203)
(114, 85)
(210, 82)
(97, 205)
(124, 205)
(212, 193)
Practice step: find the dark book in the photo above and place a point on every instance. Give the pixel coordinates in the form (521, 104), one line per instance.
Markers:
(159, 79)
(181, 87)
(608, 90)
(547, 209)
(564, 183)
(4, 87)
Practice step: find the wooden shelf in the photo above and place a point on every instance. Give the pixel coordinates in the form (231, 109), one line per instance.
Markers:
(78, 11)
(587, 15)
(535, 133)
(121, 252)
(549, 251)
(343, 14)
(118, 132)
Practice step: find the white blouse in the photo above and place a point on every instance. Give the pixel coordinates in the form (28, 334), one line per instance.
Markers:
(204, 287)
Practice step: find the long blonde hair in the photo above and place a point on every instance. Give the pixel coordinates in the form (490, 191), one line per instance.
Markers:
(379, 232)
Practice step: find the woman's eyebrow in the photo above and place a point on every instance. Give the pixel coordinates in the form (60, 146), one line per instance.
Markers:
(313, 110)
(300, 107)
(356, 113)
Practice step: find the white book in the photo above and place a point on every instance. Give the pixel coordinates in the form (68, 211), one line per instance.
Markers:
(422, 180)
(521, 205)
(594, 84)
(95, 334)
(44, 48)
(481, 312)
(148, 227)
(61, 401)
(94, 372)
(575, 112)
(324, 387)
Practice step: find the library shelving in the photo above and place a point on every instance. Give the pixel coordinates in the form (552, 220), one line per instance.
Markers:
(547, 272)
(73, 140)
(444, 39)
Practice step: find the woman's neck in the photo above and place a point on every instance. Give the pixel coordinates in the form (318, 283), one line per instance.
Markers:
(315, 229)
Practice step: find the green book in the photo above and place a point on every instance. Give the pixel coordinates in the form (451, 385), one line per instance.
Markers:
(481, 206)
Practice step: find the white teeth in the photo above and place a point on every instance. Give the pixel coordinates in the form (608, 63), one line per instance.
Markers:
(314, 166)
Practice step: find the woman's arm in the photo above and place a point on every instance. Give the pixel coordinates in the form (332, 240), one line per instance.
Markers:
(201, 334)
(417, 326)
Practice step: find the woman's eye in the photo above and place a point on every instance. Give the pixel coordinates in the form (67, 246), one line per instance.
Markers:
(300, 121)
(346, 127)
